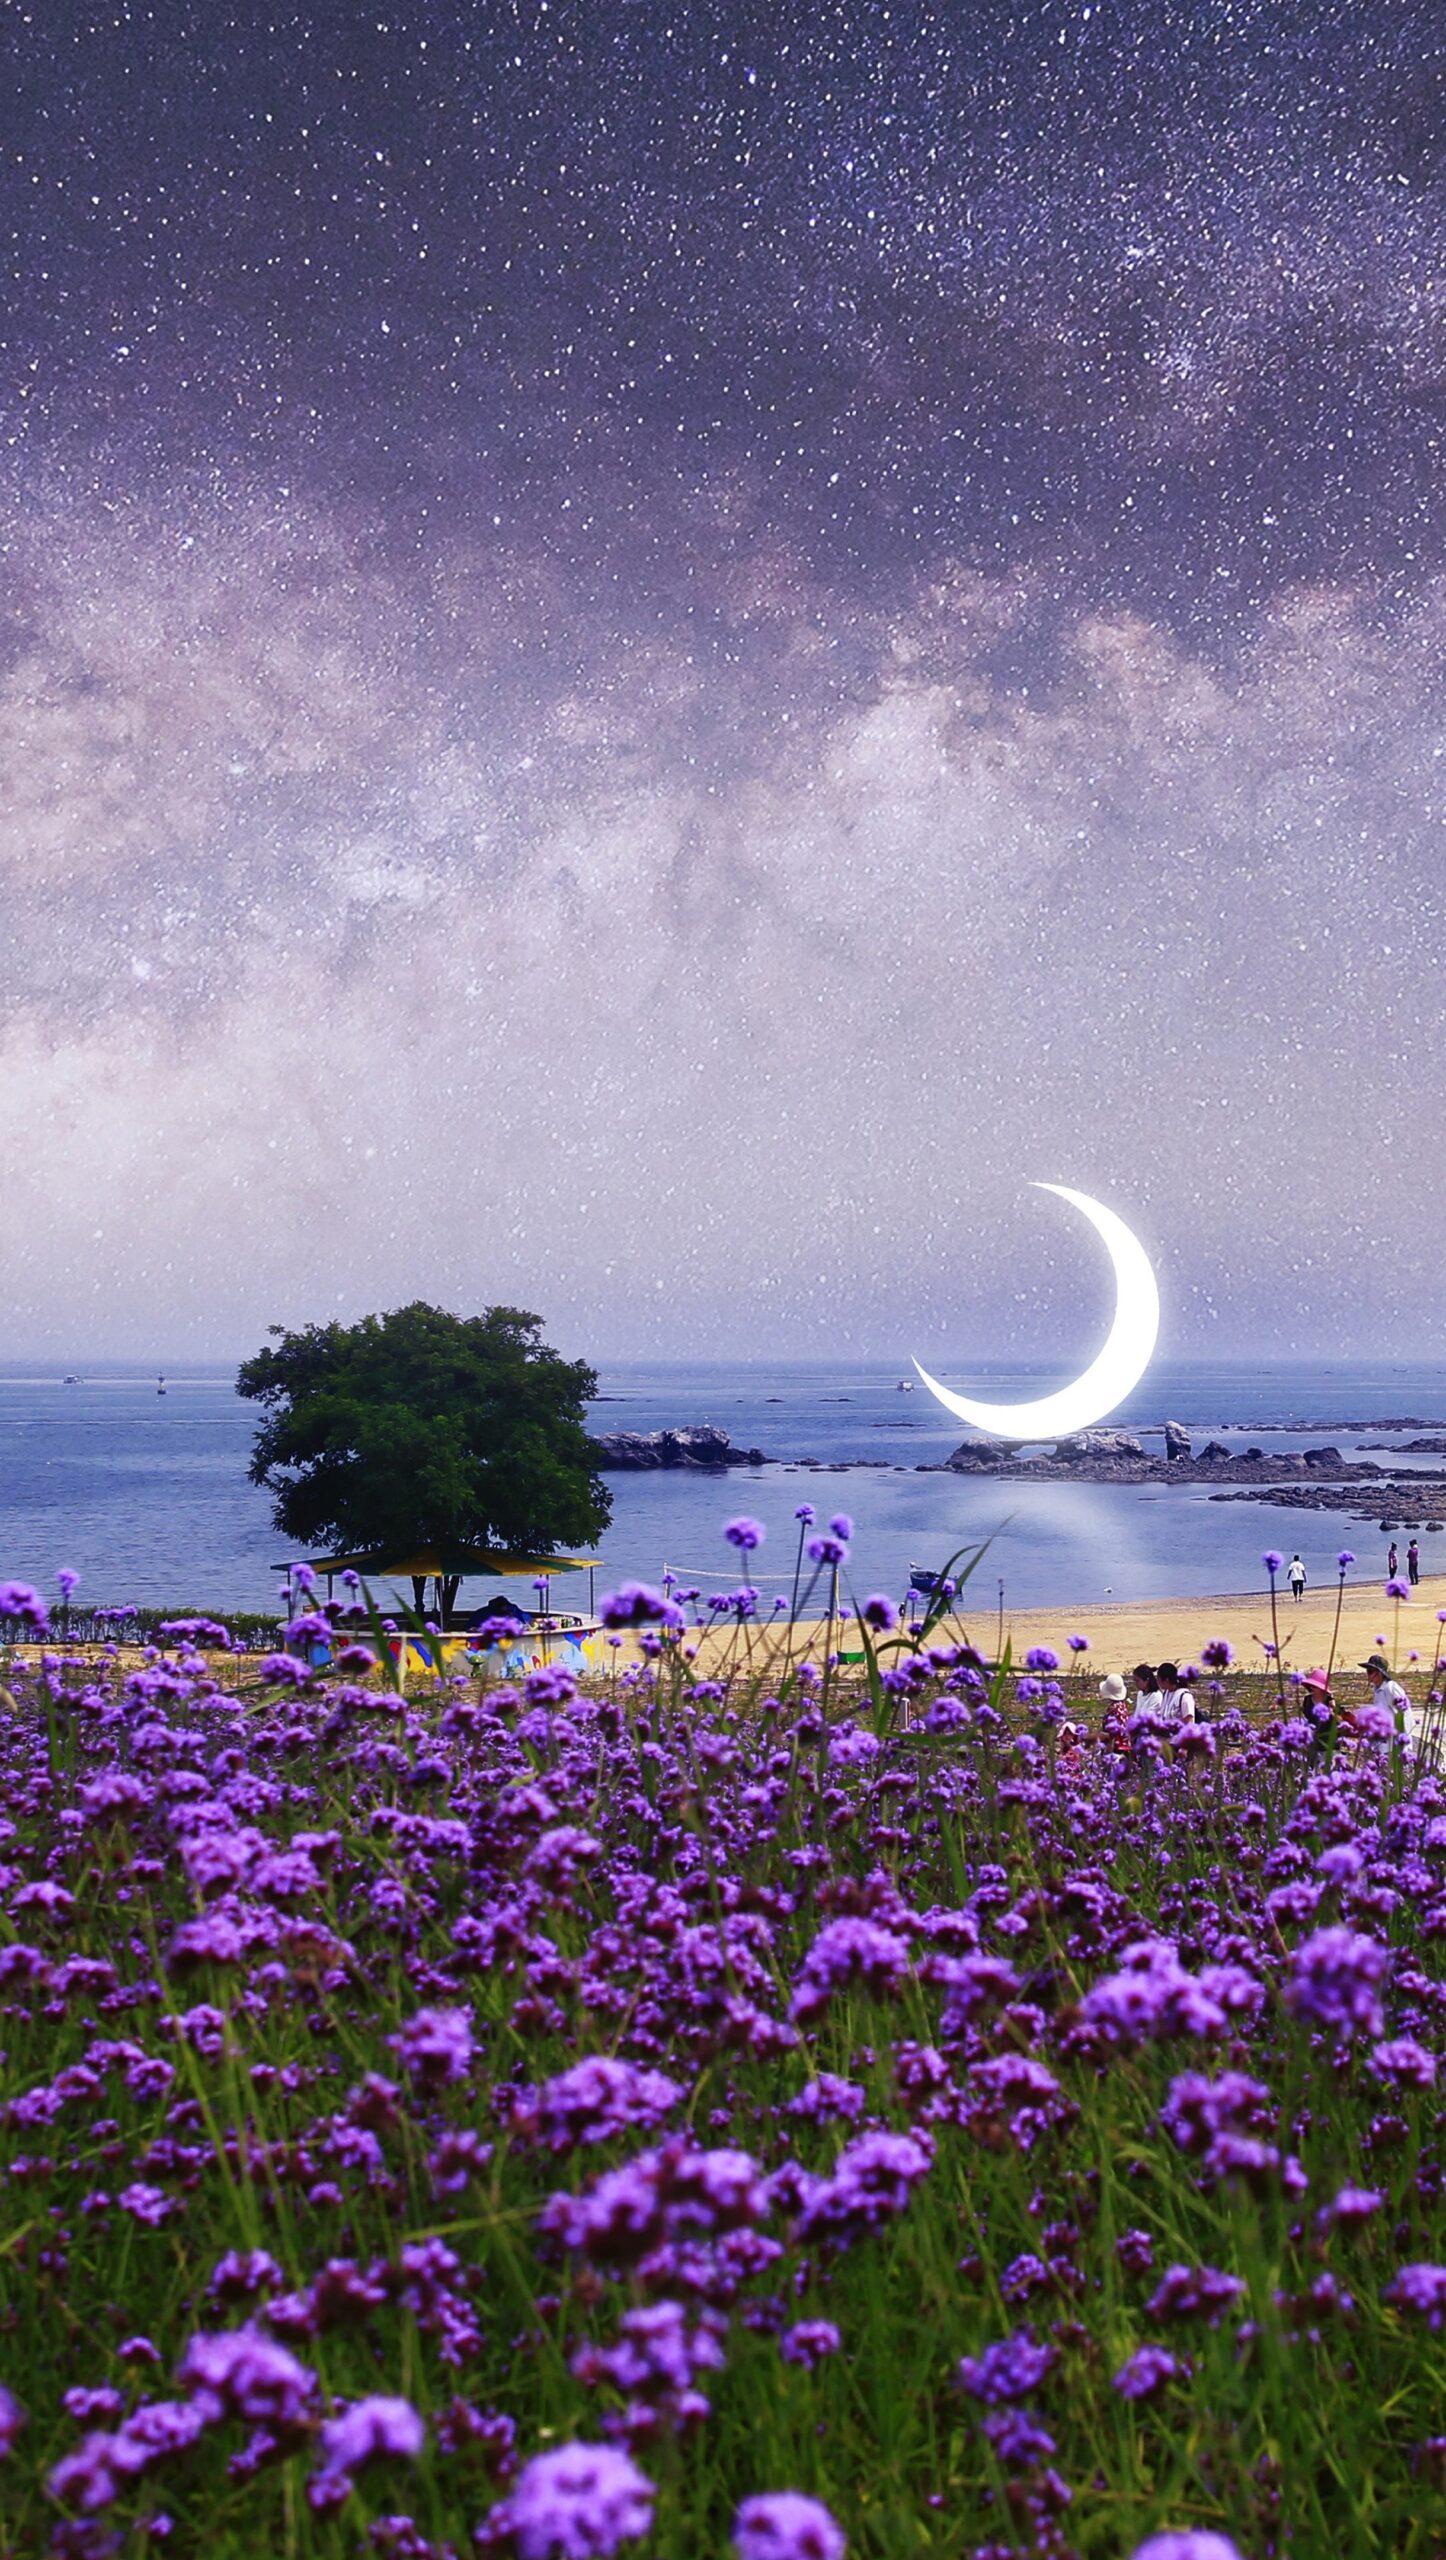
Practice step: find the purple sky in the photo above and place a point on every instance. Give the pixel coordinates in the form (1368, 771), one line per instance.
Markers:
(650, 654)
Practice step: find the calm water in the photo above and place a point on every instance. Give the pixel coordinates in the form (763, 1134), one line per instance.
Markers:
(146, 1496)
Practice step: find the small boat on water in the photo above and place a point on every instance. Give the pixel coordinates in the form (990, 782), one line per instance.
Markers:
(161, 1385)
(905, 1387)
(70, 1379)
(920, 1579)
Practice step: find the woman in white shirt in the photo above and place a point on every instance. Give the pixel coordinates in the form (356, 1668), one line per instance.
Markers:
(1176, 1705)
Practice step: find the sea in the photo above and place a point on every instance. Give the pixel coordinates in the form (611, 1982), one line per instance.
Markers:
(146, 1496)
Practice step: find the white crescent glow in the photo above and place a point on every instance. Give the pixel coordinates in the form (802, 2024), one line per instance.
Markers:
(1109, 1378)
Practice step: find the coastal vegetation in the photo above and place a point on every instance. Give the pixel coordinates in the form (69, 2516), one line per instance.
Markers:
(844, 2111)
(423, 1429)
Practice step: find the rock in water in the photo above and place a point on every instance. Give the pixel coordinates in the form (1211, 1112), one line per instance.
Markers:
(694, 1444)
(1212, 1450)
(1326, 1457)
(1177, 1440)
(1100, 1444)
(977, 1457)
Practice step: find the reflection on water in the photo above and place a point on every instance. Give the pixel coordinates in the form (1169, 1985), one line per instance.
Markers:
(147, 1496)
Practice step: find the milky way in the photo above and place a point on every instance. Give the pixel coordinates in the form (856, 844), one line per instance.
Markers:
(650, 655)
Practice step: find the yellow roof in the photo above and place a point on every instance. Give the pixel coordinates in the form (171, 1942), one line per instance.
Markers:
(429, 1561)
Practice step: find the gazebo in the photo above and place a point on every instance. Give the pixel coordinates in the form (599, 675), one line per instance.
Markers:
(446, 1568)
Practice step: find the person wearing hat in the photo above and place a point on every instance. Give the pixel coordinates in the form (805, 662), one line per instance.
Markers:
(1386, 1692)
(1320, 1707)
(1113, 1699)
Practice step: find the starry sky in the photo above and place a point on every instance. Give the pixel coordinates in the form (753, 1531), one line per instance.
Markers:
(648, 655)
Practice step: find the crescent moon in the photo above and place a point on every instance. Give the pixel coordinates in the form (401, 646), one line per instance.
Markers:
(1110, 1377)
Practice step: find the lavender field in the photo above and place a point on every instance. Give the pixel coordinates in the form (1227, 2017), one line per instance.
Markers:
(692, 2117)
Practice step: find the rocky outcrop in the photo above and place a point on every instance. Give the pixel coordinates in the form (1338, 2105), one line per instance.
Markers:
(1406, 1501)
(1177, 1441)
(1326, 1461)
(1213, 1452)
(977, 1458)
(695, 1444)
(1099, 1444)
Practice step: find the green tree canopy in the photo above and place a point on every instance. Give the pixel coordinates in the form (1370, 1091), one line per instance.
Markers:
(421, 1428)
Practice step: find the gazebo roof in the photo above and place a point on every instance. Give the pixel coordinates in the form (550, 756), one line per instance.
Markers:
(446, 1561)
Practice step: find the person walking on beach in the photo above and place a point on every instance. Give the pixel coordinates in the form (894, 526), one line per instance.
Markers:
(1413, 1561)
(1296, 1577)
(1393, 1562)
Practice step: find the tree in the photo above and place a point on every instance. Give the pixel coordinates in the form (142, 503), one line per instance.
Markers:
(421, 1428)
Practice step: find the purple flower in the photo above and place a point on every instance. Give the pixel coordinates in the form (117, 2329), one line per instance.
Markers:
(1396, 1589)
(1420, 2289)
(1337, 1981)
(241, 2274)
(146, 2204)
(1345, 1558)
(1146, 2372)
(436, 2046)
(1018, 2438)
(808, 2342)
(1405, 2062)
(600, 2097)
(1218, 1654)
(371, 2429)
(1272, 1561)
(745, 1534)
(663, 2349)
(806, 1513)
(66, 1579)
(871, 2181)
(1079, 1644)
(841, 1525)
(785, 2525)
(1350, 2205)
(1009, 2369)
(12, 2419)
(879, 1611)
(827, 1551)
(849, 1951)
(581, 2502)
(657, 2197)
(1191, 2544)
(20, 1600)
(1040, 1658)
(634, 1604)
(1193, 2293)
(239, 2373)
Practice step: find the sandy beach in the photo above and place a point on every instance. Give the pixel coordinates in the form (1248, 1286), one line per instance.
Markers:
(1119, 1635)
(1128, 1632)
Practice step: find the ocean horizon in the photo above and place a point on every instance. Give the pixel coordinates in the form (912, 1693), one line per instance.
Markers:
(147, 1498)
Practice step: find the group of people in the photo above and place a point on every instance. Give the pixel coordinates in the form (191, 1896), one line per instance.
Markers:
(1161, 1700)
(1158, 1694)
(1295, 1572)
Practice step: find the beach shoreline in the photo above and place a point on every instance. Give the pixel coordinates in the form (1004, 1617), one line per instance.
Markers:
(1120, 1633)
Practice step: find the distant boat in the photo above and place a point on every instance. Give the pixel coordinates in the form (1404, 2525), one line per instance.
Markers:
(160, 1386)
(906, 1386)
(70, 1379)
